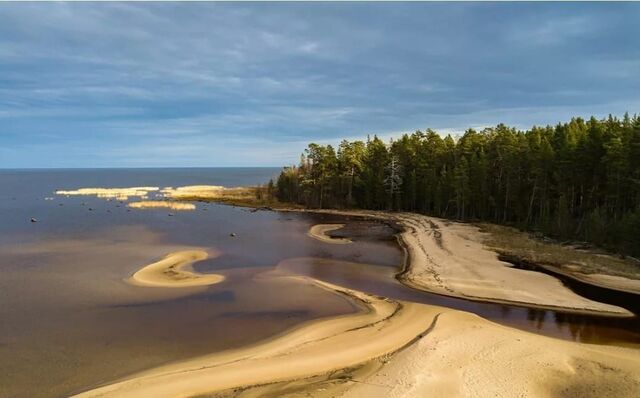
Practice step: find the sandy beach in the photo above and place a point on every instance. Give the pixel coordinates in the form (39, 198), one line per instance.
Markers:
(171, 272)
(449, 258)
(464, 355)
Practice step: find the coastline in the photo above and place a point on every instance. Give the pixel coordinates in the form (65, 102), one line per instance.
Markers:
(395, 338)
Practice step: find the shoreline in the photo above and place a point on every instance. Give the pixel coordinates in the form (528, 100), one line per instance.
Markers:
(394, 339)
(605, 281)
(417, 274)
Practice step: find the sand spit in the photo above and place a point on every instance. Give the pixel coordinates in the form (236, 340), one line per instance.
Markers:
(112, 193)
(319, 232)
(318, 347)
(154, 204)
(170, 272)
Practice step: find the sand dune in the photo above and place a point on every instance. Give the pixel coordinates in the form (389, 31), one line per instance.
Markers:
(170, 272)
(319, 232)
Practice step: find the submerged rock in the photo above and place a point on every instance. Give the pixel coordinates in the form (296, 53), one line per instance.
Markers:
(34, 220)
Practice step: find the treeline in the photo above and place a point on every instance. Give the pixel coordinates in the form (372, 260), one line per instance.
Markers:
(578, 180)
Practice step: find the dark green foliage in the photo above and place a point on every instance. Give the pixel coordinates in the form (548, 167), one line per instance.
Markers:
(577, 180)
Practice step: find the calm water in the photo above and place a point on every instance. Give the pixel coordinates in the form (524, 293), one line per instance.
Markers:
(69, 321)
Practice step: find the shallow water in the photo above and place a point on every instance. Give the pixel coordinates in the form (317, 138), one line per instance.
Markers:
(70, 322)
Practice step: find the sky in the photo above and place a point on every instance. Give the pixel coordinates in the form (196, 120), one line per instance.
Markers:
(251, 84)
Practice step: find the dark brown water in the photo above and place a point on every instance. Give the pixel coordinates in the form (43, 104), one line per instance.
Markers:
(68, 321)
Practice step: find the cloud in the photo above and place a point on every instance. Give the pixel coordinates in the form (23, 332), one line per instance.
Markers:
(228, 84)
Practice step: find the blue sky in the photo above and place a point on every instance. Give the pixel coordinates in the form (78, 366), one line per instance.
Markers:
(219, 84)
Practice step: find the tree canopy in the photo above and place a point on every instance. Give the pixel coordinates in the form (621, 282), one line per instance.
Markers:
(575, 180)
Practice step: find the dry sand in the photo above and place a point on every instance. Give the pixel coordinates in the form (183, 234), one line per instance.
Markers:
(171, 272)
(467, 356)
(449, 258)
(154, 204)
(319, 231)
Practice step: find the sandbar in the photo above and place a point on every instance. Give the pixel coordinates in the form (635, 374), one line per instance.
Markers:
(154, 204)
(171, 272)
(108, 193)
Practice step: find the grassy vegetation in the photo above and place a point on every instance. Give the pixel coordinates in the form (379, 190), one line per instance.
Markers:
(568, 257)
(255, 197)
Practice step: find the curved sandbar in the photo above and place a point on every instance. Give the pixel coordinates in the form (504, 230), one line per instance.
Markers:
(170, 272)
(317, 347)
(154, 204)
(319, 232)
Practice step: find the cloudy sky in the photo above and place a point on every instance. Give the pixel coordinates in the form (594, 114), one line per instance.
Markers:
(163, 84)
